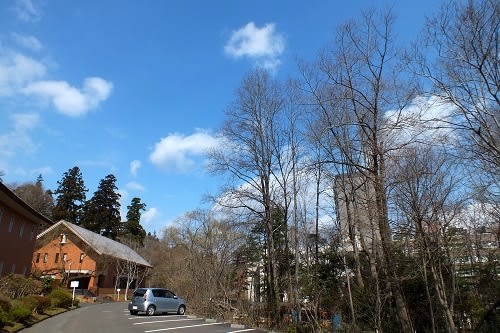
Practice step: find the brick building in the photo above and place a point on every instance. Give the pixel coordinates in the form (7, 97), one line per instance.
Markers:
(19, 225)
(67, 252)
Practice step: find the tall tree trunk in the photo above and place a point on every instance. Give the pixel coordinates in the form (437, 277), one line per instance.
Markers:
(386, 247)
(428, 294)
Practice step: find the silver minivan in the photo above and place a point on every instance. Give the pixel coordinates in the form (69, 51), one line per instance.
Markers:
(156, 300)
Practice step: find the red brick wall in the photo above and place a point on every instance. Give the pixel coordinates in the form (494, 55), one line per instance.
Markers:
(17, 241)
(73, 249)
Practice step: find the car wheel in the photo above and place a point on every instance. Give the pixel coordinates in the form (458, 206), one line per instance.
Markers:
(133, 312)
(151, 310)
(181, 310)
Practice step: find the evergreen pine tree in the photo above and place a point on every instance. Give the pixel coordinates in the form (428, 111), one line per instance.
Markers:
(71, 195)
(102, 211)
(132, 229)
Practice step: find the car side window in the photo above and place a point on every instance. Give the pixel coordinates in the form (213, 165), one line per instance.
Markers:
(169, 294)
(158, 293)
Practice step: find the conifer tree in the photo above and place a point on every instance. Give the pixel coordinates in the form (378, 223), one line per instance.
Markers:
(102, 211)
(132, 229)
(71, 196)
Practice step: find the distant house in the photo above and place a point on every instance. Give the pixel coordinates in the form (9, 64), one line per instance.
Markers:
(67, 252)
(19, 225)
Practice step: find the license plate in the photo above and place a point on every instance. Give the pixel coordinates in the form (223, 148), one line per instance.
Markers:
(134, 307)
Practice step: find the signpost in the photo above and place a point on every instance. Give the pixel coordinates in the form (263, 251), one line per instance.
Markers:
(74, 285)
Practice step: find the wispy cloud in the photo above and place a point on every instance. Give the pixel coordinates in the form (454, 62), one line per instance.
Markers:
(28, 42)
(19, 139)
(149, 215)
(178, 152)
(69, 100)
(424, 120)
(17, 70)
(135, 186)
(263, 45)
(27, 11)
(134, 167)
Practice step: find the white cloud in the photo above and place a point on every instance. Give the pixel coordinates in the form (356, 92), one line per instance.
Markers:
(44, 171)
(424, 120)
(21, 74)
(28, 42)
(19, 140)
(135, 186)
(149, 215)
(69, 100)
(134, 167)
(16, 70)
(27, 11)
(262, 45)
(178, 151)
(25, 121)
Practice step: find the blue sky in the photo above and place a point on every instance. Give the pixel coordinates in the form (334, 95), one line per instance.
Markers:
(139, 88)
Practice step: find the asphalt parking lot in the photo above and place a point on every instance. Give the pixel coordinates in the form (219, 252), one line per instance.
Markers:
(115, 318)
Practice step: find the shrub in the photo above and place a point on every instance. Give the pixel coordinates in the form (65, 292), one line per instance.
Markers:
(19, 312)
(5, 303)
(28, 302)
(61, 298)
(43, 303)
(4, 317)
(47, 284)
(17, 286)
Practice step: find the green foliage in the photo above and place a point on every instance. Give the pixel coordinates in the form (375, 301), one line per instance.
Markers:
(28, 302)
(5, 302)
(132, 228)
(16, 286)
(19, 311)
(4, 317)
(71, 195)
(47, 284)
(61, 298)
(102, 211)
(43, 303)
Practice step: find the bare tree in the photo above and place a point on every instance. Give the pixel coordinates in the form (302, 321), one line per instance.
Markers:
(424, 193)
(129, 273)
(458, 56)
(357, 83)
(36, 196)
(249, 160)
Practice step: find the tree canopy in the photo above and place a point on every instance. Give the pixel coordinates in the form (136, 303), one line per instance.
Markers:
(71, 197)
(102, 211)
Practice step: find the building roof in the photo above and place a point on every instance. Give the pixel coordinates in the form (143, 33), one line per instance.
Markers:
(100, 244)
(17, 204)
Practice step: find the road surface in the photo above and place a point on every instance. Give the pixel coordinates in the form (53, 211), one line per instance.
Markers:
(114, 318)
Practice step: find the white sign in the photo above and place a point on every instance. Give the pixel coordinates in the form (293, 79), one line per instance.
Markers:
(74, 284)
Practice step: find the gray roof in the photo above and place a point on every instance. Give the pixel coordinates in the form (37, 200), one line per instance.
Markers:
(101, 244)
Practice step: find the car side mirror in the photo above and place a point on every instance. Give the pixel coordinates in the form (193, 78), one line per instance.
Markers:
(175, 297)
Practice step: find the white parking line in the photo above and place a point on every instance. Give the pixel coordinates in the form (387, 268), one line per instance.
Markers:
(181, 327)
(245, 330)
(161, 321)
(165, 316)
